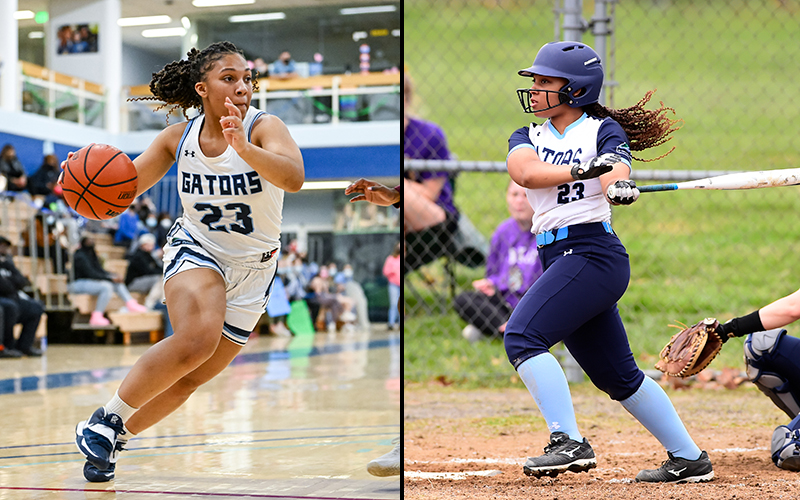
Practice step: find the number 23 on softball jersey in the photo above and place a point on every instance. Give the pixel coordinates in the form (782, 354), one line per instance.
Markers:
(577, 202)
(228, 207)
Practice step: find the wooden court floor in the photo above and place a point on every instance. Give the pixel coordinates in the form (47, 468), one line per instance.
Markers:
(291, 418)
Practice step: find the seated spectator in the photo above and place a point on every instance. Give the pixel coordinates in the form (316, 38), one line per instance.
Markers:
(353, 289)
(391, 269)
(144, 272)
(53, 245)
(12, 169)
(44, 180)
(284, 67)
(430, 218)
(512, 267)
(18, 308)
(315, 68)
(261, 67)
(92, 279)
(164, 225)
(337, 305)
(129, 227)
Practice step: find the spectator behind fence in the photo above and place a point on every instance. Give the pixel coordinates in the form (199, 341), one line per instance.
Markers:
(430, 219)
(391, 269)
(12, 169)
(144, 272)
(284, 67)
(18, 308)
(511, 268)
(44, 180)
(92, 279)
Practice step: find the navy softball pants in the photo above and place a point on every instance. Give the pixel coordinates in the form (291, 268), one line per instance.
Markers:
(575, 301)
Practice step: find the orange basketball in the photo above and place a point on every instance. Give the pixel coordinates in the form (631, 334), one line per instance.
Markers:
(99, 181)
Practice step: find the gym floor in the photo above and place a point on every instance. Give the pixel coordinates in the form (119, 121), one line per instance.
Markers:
(291, 418)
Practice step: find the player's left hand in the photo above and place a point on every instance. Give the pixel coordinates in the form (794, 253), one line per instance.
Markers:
(622, 192)
(232, 126)
(373, 192)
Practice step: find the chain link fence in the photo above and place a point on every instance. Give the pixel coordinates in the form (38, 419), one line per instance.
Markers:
(728, 70)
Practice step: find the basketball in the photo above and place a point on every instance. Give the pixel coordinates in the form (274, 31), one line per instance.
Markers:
(99, 182)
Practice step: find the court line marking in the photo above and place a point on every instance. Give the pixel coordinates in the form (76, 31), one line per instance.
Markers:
(18, 385)
(183, 493)
(229, 444)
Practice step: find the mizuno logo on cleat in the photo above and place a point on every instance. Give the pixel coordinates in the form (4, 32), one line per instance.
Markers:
(677, 473)
(570, 453)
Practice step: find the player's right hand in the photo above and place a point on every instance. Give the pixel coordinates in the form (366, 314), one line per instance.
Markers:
(595, 167)
(64, 167)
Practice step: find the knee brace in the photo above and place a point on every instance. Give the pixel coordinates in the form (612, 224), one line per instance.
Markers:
(758, 348)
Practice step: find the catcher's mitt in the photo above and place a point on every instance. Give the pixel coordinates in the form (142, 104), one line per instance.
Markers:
(691, 349)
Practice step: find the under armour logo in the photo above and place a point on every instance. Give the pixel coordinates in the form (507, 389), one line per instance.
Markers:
(571, 453)
(567, 252)
(676, 472)
(186, 152)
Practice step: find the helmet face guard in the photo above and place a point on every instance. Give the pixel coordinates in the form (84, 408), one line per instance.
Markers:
(577, 63)
(525, 99)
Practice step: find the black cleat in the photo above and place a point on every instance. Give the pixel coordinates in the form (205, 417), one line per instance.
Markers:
(561, 455)
(679, 470)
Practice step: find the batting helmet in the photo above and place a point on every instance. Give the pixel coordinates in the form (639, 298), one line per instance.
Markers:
(576, 62)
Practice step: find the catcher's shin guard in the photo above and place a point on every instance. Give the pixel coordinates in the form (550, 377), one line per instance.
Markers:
(758, 348)
(785, 446)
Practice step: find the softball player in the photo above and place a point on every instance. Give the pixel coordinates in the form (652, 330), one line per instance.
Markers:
(234, 164)
(574, 166)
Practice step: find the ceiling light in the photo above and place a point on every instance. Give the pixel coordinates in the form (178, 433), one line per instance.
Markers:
(249, 18)
(186, 22)
(218, 3)
(367, 10)
(143, 21)
(36, 34)
(24, 14)
(358, 35)
(315, 185)
(162, 32)
(395, 32)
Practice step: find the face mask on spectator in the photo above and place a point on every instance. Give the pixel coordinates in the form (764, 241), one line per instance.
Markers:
(348, 273)
(151, 222)
(166, 223)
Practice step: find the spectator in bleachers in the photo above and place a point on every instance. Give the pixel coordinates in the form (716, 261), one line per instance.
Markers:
(315, 68)
(18, 308)
(92, 279)
(44, 180)
(391, 269)
(261, 67)
(284, 67)
(12, 169)
(353, 290)
(144, 271)
(55, 248)
(129, 227)
(164, 224)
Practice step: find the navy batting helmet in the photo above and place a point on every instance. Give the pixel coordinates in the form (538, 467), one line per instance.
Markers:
(576, 62)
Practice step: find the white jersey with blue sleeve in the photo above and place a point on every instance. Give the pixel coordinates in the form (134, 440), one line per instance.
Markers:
(228, 207)
(577, 202)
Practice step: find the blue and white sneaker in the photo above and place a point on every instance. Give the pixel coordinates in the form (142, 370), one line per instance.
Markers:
(95, 475)
(96, 438)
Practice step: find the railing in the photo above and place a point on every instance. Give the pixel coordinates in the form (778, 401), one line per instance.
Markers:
(317, 99)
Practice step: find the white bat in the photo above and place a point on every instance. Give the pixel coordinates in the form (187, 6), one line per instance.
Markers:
(742, 180)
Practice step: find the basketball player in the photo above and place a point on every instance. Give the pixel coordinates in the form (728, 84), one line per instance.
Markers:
(574, 166)
(234, 164)
(387, 464)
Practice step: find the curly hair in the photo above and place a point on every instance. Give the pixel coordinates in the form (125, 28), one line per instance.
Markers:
(645, 128)
(174, 84)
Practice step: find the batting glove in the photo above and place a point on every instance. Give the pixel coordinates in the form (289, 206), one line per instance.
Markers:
(595, 167)
(622, 193)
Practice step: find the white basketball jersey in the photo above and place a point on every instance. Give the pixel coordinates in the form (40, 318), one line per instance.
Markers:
(577, 202)
(228, 208)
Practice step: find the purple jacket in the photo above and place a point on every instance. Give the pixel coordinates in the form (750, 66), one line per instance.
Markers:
(426, 141)
(513, 264)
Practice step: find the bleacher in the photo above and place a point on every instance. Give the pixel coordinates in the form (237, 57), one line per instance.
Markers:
(49, 279)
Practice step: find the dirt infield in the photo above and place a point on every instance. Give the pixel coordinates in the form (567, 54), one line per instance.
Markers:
(451, 435)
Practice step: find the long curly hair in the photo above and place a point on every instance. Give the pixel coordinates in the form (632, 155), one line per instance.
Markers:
(174, 84)
(645, 128)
